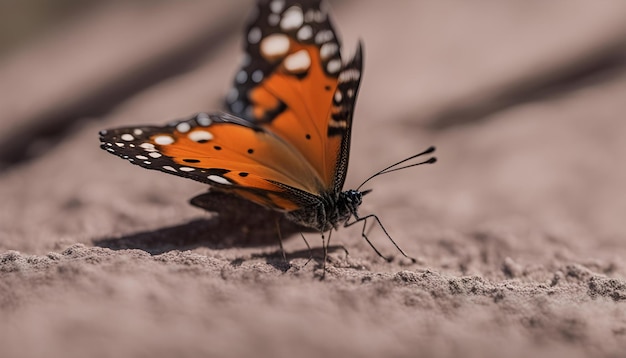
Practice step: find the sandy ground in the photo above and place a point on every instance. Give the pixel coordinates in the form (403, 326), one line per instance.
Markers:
(518, 229)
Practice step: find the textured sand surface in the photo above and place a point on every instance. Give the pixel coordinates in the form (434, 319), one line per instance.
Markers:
(519, 228)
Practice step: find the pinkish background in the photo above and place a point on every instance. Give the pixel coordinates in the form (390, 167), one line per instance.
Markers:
(519, 229)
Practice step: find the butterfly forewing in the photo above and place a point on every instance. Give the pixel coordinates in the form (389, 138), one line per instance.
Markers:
(288, 80)
(221, 150)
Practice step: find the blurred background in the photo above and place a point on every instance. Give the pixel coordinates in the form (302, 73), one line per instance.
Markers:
(443, 63)
(524, 99)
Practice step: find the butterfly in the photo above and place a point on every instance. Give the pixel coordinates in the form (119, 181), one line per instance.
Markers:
(285, 142)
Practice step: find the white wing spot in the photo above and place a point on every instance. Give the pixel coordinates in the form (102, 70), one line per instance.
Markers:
(314, 15)
(163, 140)
(323, 36)
(183, 127)
(241, 77)
(337, 124)
(147, 145)
(119, 144)
(218, 179)
(273, 19)
(254, 35)
(309, 16)
(138, 131)
(298, 62)
(147, 162)
(320, 16)
(200, 135)
(305, 33)
(141, 157)
(338, 96)
(333, 66)
(277, 5)
(127, 137)
(257, 76)
(155, 155)
(349, 75)
(292, 19)
(350, 93)
(203, 119)
(186, 169)
(275, 46)
(328, 50)
(167, 167)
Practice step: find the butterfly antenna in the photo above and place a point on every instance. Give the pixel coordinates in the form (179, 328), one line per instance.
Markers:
(397, 166)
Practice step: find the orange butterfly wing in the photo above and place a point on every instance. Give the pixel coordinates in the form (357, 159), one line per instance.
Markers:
(224, 151)
(287, 147)
(294, 83)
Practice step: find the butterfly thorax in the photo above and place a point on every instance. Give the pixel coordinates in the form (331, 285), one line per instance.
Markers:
(329, 211)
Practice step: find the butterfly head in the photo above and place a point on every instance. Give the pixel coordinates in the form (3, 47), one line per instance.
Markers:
(351, 200)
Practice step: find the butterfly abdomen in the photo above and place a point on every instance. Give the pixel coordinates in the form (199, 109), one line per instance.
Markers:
(330, 211)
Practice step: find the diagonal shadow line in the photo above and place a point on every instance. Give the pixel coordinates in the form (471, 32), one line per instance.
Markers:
(25, 142)
(599, 68)
(238, 223)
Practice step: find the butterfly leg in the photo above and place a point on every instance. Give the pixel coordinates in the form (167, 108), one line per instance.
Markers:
(357, 220)
(340, 245)
(308, 247)
(280, 241)
(364, 235)
(325, 248)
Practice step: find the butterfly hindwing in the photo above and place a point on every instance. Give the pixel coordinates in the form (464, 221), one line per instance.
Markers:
(291, 83)
(224, 151)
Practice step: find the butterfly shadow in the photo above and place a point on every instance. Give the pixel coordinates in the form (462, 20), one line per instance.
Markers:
(237, 223)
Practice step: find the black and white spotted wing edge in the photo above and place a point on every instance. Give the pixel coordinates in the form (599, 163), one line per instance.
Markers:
(272, 25)
(342, 112)
(134, 145)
